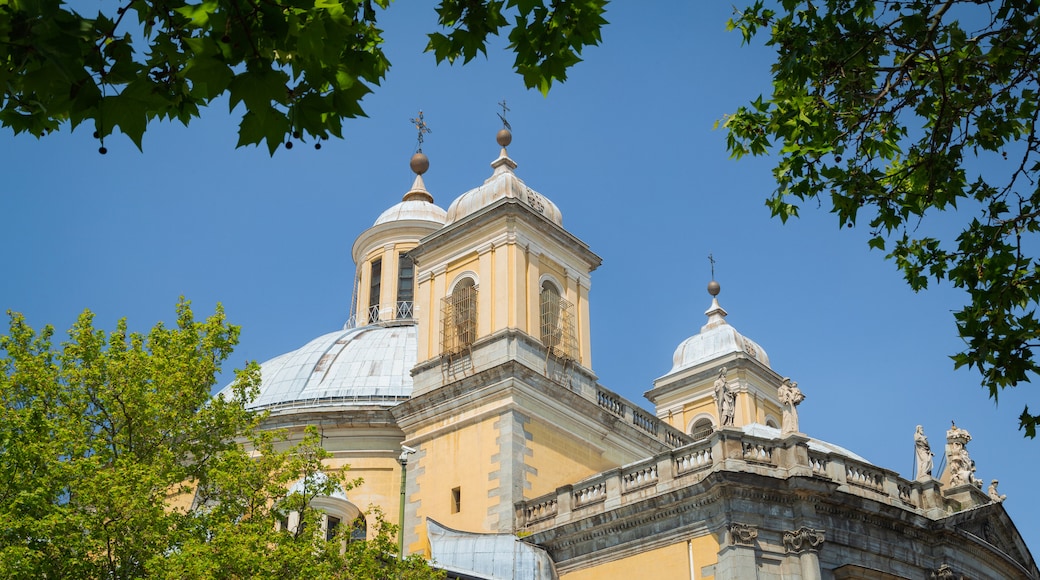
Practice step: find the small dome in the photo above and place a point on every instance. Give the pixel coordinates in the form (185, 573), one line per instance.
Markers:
(715, 340)
(413, 209)
(370, 365)
(503, 183)
(818, 445)
(417, 204)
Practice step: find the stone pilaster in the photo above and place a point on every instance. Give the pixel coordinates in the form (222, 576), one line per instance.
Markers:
(737, 556)
(804, 543)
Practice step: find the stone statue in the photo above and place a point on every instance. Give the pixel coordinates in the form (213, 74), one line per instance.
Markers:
(923, 452)
(790, 397)
(994, 494)
(961, 466)
(725, 398)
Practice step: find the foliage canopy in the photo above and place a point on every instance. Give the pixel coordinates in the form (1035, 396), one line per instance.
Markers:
(115, 462)
(895, 111)
(296, 67)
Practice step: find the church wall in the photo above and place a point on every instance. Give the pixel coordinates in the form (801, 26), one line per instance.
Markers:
(687, 560)
(380, 486)
(692, 410)
(517, 280)
(557, 459)
(463, 459)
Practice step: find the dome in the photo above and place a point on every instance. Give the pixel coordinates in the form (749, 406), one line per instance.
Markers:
(818, 445)
(370, 365)
(413, 209)
(417, 204)
(503, 183)
(715, 340)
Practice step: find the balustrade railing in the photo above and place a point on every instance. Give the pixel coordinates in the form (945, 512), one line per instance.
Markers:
(594, 493)
(611, 403)
(818, 462)
(541, 510)
(863, 476)
(759, 451)
(639, 478)
(677, 468)
(693, 459)
(645, 423)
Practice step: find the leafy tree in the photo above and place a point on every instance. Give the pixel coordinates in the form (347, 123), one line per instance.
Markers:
(115, 463)
(891, 112)
(297, 67)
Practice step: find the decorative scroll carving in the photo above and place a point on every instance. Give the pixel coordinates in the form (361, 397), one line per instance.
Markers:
(743, 534)
(944, 572)
(802, 540)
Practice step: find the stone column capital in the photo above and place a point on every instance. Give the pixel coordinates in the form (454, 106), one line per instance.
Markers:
(742, 534)
(803, 539)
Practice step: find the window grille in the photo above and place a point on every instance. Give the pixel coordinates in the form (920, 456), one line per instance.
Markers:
(405, 310)
(459, 318)
(557, 323)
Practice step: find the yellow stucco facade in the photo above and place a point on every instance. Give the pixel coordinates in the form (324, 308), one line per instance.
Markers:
(679, 561)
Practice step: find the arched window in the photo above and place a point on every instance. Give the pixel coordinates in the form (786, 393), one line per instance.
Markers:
(549, 314)
(556, 322)
(459, 317)
(702, 429)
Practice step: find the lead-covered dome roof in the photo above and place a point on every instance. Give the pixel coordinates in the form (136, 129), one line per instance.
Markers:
(370, 365)
(715, 340)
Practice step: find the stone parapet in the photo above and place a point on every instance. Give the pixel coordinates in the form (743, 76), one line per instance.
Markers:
(731, 450)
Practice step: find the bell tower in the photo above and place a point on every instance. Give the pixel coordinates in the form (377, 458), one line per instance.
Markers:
(503, 266)
(505, 405)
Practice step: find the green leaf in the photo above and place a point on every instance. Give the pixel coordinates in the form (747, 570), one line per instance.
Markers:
(263, 124)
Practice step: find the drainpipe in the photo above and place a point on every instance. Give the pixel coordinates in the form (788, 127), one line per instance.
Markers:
(689, 548)
(403, 460)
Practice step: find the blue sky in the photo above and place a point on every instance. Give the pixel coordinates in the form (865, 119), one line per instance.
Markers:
(627, 151)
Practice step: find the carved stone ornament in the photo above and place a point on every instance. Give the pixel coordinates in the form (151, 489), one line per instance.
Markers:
(803, 539)
(743, 534)
(944, 573)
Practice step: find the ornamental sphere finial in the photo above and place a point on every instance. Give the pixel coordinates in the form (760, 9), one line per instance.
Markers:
(419, 163)
(504, 137)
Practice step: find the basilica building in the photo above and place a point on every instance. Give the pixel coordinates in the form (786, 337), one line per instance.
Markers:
(462, 391)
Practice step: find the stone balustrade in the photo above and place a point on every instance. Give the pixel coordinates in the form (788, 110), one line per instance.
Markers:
(727, 449)
(642, 420)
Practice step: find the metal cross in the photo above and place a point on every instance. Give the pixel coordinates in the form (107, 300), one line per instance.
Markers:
(712, 260)
(421, 127)
(502, 115)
